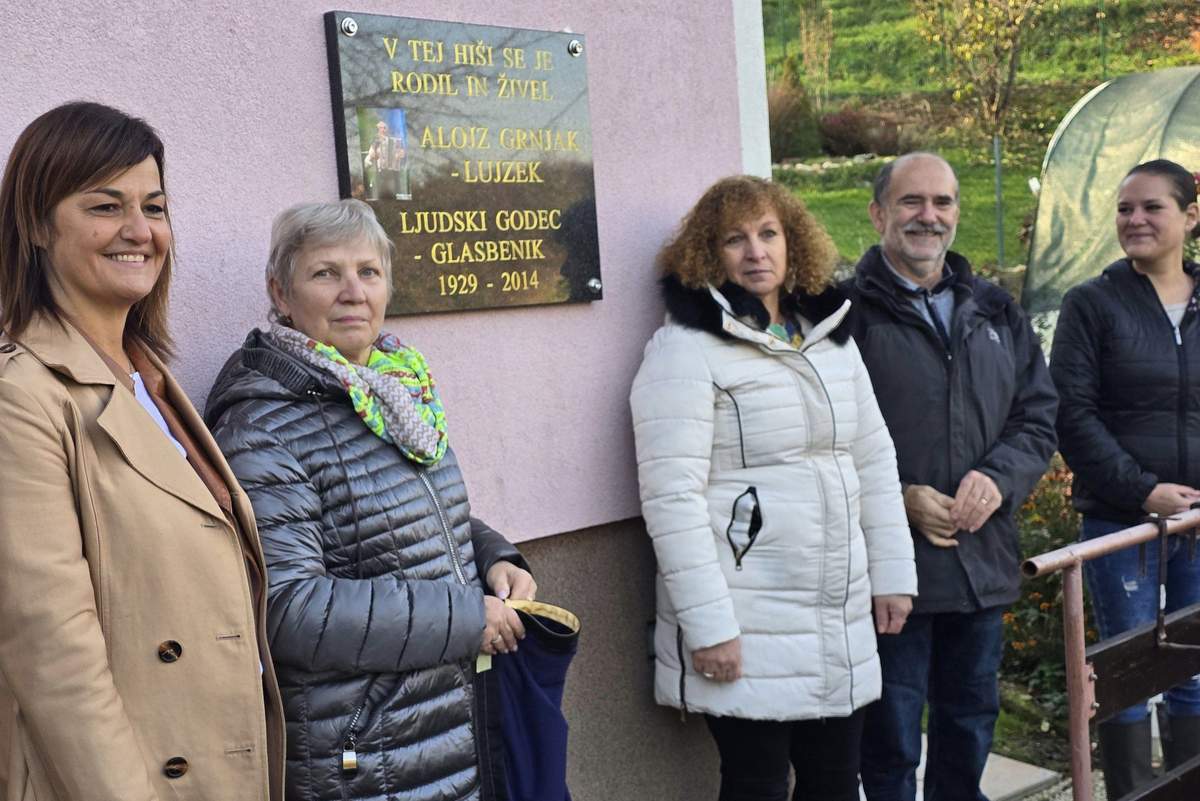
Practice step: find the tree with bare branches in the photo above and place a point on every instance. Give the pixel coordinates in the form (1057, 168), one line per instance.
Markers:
(983, 40)
(816, 46)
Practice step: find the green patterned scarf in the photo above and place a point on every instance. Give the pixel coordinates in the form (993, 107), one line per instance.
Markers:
(394, 393)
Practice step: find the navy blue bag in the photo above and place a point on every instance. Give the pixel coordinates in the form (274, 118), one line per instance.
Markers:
(530, 689)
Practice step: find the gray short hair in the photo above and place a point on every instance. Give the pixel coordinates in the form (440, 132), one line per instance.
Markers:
(321, 225)
(884, 179)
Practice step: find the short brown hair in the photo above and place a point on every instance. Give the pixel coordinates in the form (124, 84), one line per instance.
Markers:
(66, 150)
(692, 255)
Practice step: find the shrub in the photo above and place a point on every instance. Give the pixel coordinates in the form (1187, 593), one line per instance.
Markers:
(792, 122)
(851, 131)
(1033, 626)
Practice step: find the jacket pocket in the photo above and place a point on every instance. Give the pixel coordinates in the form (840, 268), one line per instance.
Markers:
(745, 522)
(683, 710)
(729, 440)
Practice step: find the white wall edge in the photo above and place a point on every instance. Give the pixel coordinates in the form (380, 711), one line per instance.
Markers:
(752, 87)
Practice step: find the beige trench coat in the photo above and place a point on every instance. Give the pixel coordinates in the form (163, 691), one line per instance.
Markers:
(129, 650)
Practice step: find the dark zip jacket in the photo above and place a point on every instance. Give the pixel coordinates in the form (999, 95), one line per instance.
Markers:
(375, 601)
(985, 404)
(1130, 411)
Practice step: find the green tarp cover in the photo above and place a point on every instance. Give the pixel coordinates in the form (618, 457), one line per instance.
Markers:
(1116, 126)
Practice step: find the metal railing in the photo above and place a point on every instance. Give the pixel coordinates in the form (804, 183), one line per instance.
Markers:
(1133, 666)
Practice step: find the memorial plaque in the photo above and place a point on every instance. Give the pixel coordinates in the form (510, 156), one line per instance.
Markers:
(473, 145)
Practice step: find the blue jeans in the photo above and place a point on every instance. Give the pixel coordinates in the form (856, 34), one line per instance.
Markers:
(952, 660)
(1122, 599)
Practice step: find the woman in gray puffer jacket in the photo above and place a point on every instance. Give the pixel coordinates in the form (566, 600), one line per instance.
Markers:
(377, 611)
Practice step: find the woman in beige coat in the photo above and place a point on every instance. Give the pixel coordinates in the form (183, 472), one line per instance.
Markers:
(132, 661)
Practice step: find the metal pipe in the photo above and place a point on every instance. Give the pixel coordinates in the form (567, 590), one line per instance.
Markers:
(996, 157)
(1080, 694)
(1100, 546)
(1103, 43)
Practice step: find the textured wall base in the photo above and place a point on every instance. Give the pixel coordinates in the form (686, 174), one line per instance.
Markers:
(622, 745)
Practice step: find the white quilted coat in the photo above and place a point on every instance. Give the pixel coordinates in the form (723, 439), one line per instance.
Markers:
(769, 487)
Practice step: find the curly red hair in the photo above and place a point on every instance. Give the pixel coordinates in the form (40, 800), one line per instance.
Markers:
(692, 256)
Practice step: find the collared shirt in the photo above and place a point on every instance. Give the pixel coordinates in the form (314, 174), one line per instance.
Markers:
(941, 298)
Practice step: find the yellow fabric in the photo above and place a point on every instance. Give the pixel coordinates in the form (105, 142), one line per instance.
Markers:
(539, 609)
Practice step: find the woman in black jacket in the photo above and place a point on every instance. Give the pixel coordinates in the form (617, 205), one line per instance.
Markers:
(377, 609)
(1126, 361)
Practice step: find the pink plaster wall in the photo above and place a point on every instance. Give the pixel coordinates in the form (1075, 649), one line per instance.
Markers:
(536, 397)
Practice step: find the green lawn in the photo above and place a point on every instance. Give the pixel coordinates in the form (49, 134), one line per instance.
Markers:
(878, 49)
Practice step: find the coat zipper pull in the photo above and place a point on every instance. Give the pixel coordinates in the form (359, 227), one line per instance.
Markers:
(1178, 336)
(349, 751)
(349, 758)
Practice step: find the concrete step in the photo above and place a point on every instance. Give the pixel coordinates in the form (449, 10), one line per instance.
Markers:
(1004, 779)
(1007, 779)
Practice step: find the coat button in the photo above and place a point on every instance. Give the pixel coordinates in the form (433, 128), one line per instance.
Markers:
(8, 348)
(175, 767)
(169, 651)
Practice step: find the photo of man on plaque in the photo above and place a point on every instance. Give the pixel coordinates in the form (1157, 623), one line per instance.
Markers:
(385, 160)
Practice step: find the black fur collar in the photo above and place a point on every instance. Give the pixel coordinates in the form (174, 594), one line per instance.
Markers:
(696, 308)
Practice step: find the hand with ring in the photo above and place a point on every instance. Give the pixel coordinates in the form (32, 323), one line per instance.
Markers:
(502, 629)
(720, 662)
(977, 499)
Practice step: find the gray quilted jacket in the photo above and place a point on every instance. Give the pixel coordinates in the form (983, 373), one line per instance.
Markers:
(375, 606)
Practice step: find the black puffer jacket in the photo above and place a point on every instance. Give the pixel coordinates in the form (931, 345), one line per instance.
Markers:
(988, 405)
(375, 607)
(1129, 415)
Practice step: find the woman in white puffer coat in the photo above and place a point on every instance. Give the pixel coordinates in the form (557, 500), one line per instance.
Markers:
(769, 487)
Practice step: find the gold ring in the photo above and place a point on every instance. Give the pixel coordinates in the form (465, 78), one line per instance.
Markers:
(497, 639)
